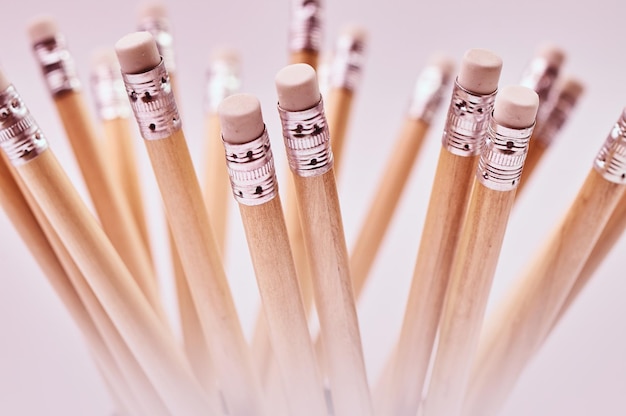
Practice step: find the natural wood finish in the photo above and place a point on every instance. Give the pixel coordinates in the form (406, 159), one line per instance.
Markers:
(114, 214)
(536, 152)
(514, 331)
(322, 227)
(205, 274)
(385, 201)
(442, 229)
(275, 271)
(145, 334)
(338, 106)
(466, 298)
(305, 56)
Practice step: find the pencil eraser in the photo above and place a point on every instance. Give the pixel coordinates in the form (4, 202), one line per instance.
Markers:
(137, 53)
(444, 63)
(297, 87)
(4, 81)
(516, 107)
(104, 57)
(353, 31)
(42, 28)
(571, 86)
(241, 119)
(230, 56)
(152, 10)
(554, 55)
(480, 71)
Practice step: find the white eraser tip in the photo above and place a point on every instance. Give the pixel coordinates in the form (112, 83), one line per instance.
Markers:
(554, 55)
(42, 28)
(297, 87)
(152, 10)
(228, 55)
(241, 119)
(354, 31)
(137, 53)
(516, 107)
(444, 63)
(480, 71)
(104, 57)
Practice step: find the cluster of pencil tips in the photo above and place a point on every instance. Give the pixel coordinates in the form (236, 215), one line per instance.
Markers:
(103, 271)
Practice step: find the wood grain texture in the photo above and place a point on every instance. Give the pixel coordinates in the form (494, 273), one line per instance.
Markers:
(305, 56)
(514, 331)
(466, 298)
(322, 226)
(438, 245)
(536, 152)
(114, 214)
(275, 271)
(338, 107)
(205, 274)
(144, 332)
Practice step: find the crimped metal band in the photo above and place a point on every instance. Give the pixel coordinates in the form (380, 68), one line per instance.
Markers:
(467, 121)
(109, 93)
(347, 65)
(222, 81)
(153, 104)
(611, 160)
(161, 30)
(20, 136)
(540, 76)
(555, 118)
(428, 93)
(57, 65)
(503, 155)
(306, 25)
(307, 140)
(251, 170)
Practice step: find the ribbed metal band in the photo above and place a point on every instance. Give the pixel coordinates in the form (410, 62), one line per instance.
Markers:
(222, 81)
(20, 136)
(503, 155)
(251, 170)
(556, 116)
(347, 63)
(540, 76)
(57, 65)
(161, 30)
(467, 121)
(109, 93)
(307, 140)
(428, 93)
(306, 25)
(153, 104)
(611, 160)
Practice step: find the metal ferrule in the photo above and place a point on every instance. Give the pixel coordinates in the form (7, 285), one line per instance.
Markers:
(307, 140)
(161, 30)
(556, 116)
(57, 65)
(503, 155)
(611, 160)
(251, 170)
(347, 63)
(153, 104)
(540, 76)
(20, 136)
(428, 93)
(467, 121)
(306, 25)
(109, 93)
(222, 81)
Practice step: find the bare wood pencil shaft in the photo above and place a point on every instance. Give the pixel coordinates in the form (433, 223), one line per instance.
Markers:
(468, 290)
(305, 56)
(323, 230)
(536, 152)
(124, 403)
(385, 201)
(201, 261)
(145, 334)
(278, 284)
(438, 245)
(114, 214)
(512, 333)
(338, 108)
(121, 145)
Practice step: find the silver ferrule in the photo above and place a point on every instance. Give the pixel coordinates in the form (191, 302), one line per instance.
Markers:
(556, 116)
(428, 93)
(161, 30)
(307, 140)
(467, 121)
(347, 63)
(153, 104)
(503, 155)
(611, 160)
(540, 76)
(20, 136)
(251, 170)
(222, 81)
(109, 92)
(306, 25)
(57, 65)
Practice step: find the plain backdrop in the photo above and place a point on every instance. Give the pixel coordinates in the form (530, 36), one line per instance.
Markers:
(44, 365)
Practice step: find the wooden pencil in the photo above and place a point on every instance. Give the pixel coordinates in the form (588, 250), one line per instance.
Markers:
(305, 31)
